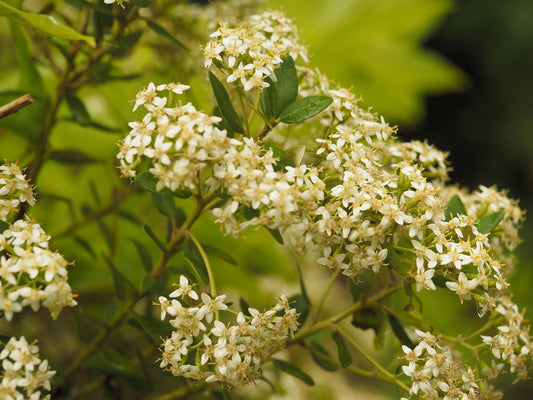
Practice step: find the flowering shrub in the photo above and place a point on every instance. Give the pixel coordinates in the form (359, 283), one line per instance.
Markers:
(282, 147)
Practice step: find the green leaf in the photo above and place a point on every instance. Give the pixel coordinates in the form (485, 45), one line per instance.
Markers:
(293, 370)
(110, 362)
(47, 24)
(192, 254)
(84, 244)
(224, 103)
(125, 43)
(369, 318)
(120, 280)
(141, 3)
(219, 253)
(77, 109)
(399, 331)
(153, 236)
(164, 204)
(301, 305)
(280, 94)
(322, 358)
(244, 306)
(276, 234)
(144, 255)
(454, 208)
(164, 33)
(490, 221)
(101, 19)
(154, 328)
(71, 157)
(304, 109)
(344, 355)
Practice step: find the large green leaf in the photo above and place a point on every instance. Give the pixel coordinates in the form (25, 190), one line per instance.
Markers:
(47, 24)
(282, 92)
(490, 221)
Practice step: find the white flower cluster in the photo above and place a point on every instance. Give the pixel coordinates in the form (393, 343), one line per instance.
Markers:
(436, 375)
(30, 273)
(512, 344)
(179, 141)
(14, 190)
(221, 352)
(251, 52)
(23, 375)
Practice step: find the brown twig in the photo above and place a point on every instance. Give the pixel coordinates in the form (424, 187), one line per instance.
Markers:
(15, 105)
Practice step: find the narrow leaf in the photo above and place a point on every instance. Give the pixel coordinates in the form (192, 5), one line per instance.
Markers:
(399, 331)
(344, 355)
(192, 254)
(156, 240)
(454, 208)
(47, 24)
(293, 370)
(120, 280)
(154, 328)
(276, 234)
(219, 253)
(224, 103)
(144, 255)
(321, 357)
(71, 157)
(304, 109)
(301, 305)
(164, 33)
(85, 245)
(490, 221)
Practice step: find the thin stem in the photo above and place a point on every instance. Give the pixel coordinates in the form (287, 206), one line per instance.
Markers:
(245, 114)
(352, 368)
(328, 322)
(207, 264)
(390, 377)
(325, 294)
(118, 198)
(15, 105)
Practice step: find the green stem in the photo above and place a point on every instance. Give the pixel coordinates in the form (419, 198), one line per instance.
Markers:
(325, 294)
(354, 369)
(390, 377)
(328, 322)
(207, 264)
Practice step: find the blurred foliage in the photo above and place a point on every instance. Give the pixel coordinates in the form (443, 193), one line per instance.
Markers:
(376, 47)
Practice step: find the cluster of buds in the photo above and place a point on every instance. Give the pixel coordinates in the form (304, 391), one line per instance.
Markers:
(23, 375)
(202, 347)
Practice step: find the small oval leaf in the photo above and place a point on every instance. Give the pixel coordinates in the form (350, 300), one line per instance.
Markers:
(293, 370)
(345, 357)
(490, 221)
(454, 208)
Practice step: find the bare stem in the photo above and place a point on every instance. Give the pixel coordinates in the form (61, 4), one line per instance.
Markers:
(15, 105)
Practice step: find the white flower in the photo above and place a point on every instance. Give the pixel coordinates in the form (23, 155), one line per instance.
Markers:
(463, 286)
